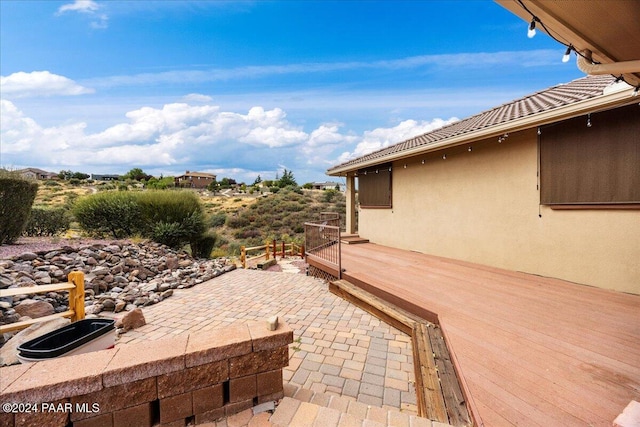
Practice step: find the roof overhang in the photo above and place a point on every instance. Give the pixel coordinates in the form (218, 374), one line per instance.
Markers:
(606, 30)
(615, 98)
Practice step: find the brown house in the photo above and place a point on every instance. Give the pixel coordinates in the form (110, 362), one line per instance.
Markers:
(194, 179)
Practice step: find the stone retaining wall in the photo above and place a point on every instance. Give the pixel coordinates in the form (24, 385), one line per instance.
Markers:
(202, 376)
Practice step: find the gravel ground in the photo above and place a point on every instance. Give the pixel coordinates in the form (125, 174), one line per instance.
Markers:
(35, 244)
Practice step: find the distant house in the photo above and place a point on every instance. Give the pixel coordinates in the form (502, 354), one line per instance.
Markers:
(35, 173)
(194, 179)
(327, 186)
(548, 184)
(107, 177)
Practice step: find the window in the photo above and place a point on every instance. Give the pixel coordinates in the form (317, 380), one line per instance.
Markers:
(374, 187)
(596, 165)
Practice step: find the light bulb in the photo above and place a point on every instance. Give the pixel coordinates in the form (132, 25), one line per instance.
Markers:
(532, 29)
(567, 55)
(589, 120)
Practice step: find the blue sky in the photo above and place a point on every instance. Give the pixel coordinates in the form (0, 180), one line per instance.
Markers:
(247, 88)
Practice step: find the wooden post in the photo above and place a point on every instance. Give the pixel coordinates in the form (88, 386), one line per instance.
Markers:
(243, 256)
(283, 249)
(302, 251)
(274, 249)
(76, 295)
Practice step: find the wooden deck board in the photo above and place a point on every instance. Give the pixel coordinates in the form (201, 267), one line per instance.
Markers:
(532, 350)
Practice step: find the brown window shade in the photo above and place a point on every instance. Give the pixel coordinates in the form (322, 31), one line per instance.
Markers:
(374, 187)
(592, 165)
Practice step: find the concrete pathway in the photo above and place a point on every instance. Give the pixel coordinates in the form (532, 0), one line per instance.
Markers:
(339, 349)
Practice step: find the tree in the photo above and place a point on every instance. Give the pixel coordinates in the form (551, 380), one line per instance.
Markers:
(227, 182)
(287, 179)
(257, 181)
(69, 174)
(213, 186)
(137, 174)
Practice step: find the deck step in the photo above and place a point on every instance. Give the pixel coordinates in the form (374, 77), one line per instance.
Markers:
(438, 391)
(304, 407)
(352, 239)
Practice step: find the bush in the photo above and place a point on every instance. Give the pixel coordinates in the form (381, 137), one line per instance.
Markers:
(168, 233)
(116, 213)
(172, 218)
(202, 246)
(47, 222)
(217, 220)
(16, 198)
(182, 209)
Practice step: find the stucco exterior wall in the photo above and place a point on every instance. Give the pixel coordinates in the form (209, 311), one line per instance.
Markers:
(483, 206)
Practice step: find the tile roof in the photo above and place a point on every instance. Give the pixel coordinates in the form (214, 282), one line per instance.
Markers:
(545, 100)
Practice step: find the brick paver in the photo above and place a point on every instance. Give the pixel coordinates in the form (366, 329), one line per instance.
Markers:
(339, 349)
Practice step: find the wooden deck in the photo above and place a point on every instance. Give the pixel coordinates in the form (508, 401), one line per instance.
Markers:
(532, 351)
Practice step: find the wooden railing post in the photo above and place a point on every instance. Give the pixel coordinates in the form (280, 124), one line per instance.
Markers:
(266, 251)
(76, 295)
(282, 249)
(243, 256)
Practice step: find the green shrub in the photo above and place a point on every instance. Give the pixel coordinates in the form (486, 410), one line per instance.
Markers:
(202, 246)
(51, 183)
(47, 222)
(168, 233)
(115, 213)
(16, 198)
(217, 220)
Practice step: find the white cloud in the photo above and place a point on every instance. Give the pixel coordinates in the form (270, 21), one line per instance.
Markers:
(39, 83)
(197, 98)
(182, 136)
(87, 7)
(383, 137)
(475, 60)
(83, 6)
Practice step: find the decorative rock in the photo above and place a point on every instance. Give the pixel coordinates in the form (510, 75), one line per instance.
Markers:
(120, 305)
(27, 256)
(132, 320)
(34, 309)
(119, 276)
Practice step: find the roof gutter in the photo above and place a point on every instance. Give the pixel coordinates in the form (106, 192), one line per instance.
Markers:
(615, 68)
(591, 105)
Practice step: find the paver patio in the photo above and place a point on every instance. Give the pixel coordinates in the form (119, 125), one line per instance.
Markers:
(339, 350)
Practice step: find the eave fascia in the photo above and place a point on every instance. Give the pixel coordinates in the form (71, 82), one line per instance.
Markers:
(592, 105)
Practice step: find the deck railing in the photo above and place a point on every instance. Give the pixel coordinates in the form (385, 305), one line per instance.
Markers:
(322, 242)
(75, 286)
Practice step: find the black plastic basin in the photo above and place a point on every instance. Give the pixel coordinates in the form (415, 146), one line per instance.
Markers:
(66, 339)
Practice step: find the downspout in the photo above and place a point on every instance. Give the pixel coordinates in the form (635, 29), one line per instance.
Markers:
(615, 68)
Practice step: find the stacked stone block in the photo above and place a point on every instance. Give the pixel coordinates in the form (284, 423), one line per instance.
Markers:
(203, 376)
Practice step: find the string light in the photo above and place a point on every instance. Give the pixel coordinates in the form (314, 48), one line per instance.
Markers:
(444, 157)
(423, 161)
(532, 27)
(470, 149)
(635, 91)
(589, 120)
(539, 131)
(532, 31)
